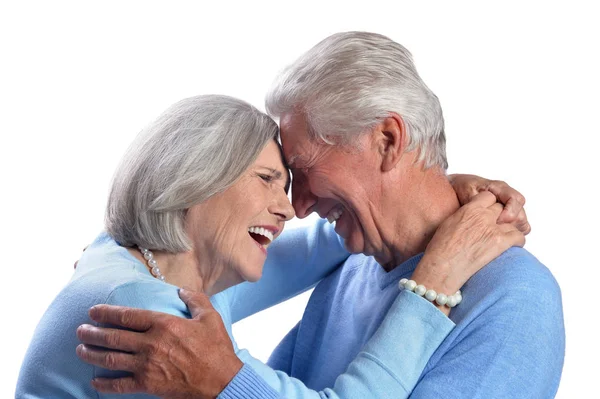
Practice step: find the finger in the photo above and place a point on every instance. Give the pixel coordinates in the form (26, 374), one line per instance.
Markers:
(522, 223)
(116, 385)
(514, 237)
(483, 199)
(134, 319)
(511, 211)
(464, 191)
(512, 199)
(110, 360)
(496, 209)
(196, 302)
(110, 338)
(525, 228)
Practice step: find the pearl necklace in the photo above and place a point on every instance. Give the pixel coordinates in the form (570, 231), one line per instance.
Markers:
(152, 265)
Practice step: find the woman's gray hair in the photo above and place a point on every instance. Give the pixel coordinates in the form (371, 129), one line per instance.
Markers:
(197, 148)
(348, 82)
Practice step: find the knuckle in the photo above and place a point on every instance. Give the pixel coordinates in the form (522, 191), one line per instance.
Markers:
(170, 324)
(118, 386)
(125, 316)
(113, 339)
(155, 348)
(213, 316)
(110, 361)
(499, 239)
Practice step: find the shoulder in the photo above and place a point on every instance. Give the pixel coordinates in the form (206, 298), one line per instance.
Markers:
(108, 273)
(517, 273)
(510, 323)
(514, 294)
(150, 295)
(356, 269)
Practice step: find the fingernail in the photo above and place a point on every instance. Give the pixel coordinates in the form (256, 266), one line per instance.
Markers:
(95, 313)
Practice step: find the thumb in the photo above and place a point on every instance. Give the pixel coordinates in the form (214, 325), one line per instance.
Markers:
(483, 199)
(496, 209)
(196, 302)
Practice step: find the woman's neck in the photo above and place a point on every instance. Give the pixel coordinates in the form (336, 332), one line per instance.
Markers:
(183, 270)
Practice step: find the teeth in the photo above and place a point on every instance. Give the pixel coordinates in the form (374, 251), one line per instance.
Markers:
(262, 231)
(334, 215)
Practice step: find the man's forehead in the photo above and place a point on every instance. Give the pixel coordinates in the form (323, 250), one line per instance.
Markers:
(293, 136)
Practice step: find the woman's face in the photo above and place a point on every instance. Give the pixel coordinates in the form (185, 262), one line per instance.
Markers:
(231, 231)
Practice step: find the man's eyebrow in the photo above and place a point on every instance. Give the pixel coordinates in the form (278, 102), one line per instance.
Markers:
(292, 160)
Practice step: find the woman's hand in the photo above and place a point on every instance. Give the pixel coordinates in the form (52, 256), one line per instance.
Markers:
(465, 242)
(168, 356)
(468, 186)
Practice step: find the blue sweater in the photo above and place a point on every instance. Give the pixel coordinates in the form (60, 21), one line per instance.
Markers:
(107, 273)
(508, 342)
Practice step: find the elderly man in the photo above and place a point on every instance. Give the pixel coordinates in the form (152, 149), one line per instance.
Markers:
(388, 193)
(364, 137)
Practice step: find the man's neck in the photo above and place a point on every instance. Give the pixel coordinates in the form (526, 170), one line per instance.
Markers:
(419, 202)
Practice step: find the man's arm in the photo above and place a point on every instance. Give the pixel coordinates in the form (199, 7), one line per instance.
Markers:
(165, 360)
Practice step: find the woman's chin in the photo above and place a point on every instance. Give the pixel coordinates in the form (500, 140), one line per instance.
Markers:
(253, 275)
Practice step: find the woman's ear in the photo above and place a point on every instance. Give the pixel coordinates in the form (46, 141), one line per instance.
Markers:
(391, 140)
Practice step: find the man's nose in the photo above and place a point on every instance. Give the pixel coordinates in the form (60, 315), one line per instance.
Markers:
(303, 199)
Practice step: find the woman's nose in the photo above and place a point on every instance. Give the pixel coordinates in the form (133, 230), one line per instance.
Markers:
(282, 207)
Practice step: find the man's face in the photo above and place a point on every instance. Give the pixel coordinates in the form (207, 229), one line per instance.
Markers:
(335, 181)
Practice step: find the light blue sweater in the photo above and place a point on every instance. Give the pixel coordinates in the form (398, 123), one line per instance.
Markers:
(389, 365)
(508, 342)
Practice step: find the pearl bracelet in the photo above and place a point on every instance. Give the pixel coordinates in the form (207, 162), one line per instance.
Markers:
(432, 296)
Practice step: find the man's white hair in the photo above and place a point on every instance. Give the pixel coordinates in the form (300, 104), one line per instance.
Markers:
(348, 82)
(197, 148)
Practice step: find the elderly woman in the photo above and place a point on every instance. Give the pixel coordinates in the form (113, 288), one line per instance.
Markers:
(196, 202)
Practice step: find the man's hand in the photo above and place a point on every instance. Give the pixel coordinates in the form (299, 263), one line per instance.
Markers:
(169, 356)
(468, 186)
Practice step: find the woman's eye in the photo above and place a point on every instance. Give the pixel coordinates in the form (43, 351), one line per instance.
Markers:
(266, 178)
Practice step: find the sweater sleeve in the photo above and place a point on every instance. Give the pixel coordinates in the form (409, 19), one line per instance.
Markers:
(296, 262)
(386, 367)
(513, 347)
(248, 385)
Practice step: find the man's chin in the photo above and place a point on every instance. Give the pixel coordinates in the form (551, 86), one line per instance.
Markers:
(352, 247)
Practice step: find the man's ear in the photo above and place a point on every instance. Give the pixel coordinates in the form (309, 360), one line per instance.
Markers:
(391, 137)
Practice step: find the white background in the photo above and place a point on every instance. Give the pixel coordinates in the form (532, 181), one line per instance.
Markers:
(518, 82)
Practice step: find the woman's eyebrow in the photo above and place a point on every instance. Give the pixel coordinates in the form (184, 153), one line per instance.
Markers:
(278, 175)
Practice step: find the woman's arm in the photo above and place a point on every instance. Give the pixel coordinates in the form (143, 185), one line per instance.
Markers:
(301, 257)
(296, 261)
(384, 366)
